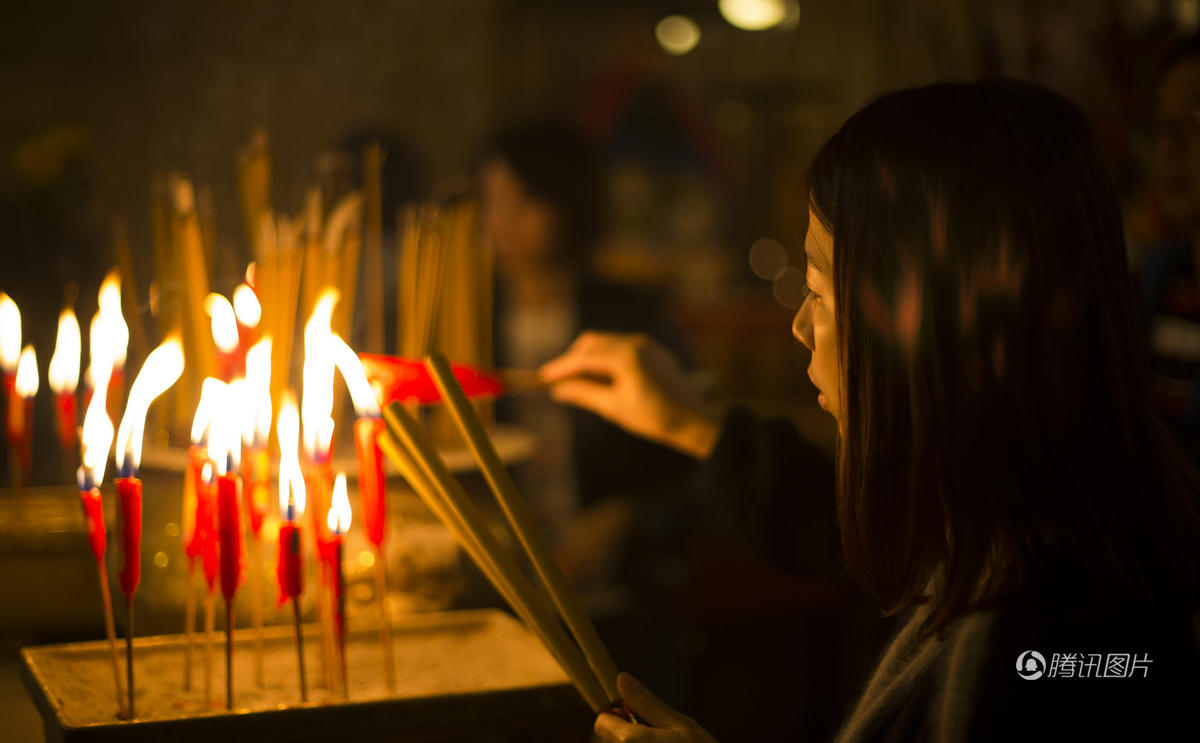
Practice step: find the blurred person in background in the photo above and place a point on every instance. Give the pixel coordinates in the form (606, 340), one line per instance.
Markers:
(1169, 279)
(542, 199)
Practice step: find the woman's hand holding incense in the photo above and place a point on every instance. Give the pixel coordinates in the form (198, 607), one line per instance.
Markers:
(637, 384)
(662, 722)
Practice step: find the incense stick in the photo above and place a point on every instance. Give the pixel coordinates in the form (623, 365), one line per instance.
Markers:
(385, 625)
(522, 523)
(447, 499)
(129, 658)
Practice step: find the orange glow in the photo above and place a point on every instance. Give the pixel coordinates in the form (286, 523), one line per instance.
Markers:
(338, 518)
(365, 403)
(224, 322)
(163, 366)
(258, 391)
(290, 477)
(63, 373)
(316, 404)
(10, 333)
(116, 332)
(97, 434)
(246, 306)
(27, 373)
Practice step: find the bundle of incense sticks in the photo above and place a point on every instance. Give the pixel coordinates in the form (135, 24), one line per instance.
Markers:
(592, 671)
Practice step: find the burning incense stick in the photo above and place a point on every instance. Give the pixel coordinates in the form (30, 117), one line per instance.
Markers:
(407, 447)
(522, 523)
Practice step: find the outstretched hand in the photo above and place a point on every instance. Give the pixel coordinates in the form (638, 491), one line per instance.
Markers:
(637, 384)
(662, 722)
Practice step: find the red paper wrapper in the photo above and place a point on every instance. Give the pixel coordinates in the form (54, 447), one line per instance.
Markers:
(289, 569)
(229, 529)
(256, 478)
(408, 379)
(371, 485)
(318, 481)
(93, 515)
(129, 494)
(68, 420)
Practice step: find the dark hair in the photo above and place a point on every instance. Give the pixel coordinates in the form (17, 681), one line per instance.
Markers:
(558, 166)
(994, 387)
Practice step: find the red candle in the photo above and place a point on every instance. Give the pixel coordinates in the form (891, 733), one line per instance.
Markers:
(291, 560)
(193, 483)
(371, 484)
(129, 494)
(207, 531)
(68, 419)
(93, 515)
(229, 530)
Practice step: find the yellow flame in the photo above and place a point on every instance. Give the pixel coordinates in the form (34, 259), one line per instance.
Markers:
(63, 373)
(27, 373)
(97, 436)
(116, 332)
(338, 518)
(162, 367)
(346, 361)
(290, 477)
(224, 323)
(258, 390)
(316, 405)
(210, 389)
(225, 427)
(10, 333)
(246, 306)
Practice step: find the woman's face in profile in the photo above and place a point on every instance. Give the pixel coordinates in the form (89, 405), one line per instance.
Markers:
(520, 227)
(813, 325)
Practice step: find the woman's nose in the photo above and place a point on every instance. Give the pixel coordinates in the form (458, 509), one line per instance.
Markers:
(802, 325)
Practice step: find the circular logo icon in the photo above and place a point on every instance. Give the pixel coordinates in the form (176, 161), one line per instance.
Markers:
(1031, 665)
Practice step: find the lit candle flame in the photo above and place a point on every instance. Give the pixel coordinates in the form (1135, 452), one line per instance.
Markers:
(246, 306)
(97, 436)
(224, 322)
(10, 333)
(258, 391)
(163, 366)
(210, 389)
(27, 373)
(291, 480)
(116, 332)
(317, 376)
(365, 403)
(338, 519)
(63, 373)
(225, 426)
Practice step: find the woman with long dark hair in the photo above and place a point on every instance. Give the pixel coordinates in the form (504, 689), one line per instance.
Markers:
(1001, 478)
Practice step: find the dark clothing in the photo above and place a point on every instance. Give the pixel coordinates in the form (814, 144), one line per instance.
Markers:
(964, 685)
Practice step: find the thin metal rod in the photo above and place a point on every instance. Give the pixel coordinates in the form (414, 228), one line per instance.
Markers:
(300, 649)
(385, 626)
(129, 658)
(228, 655)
